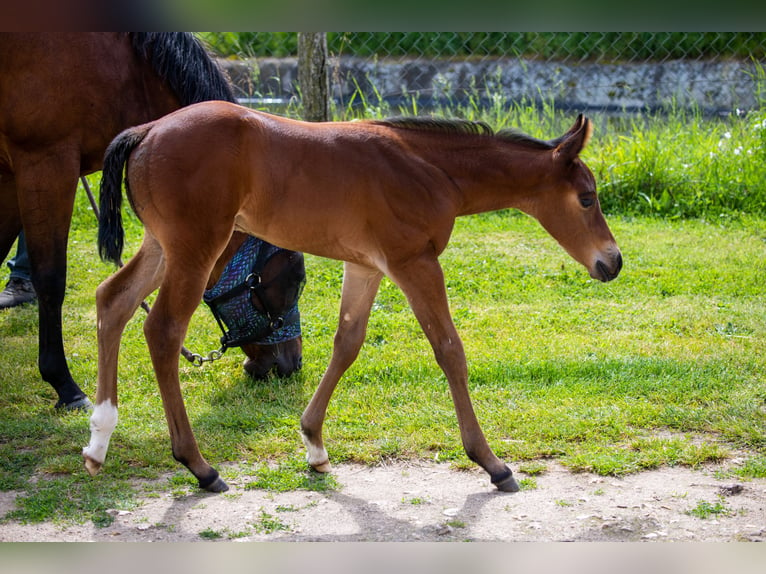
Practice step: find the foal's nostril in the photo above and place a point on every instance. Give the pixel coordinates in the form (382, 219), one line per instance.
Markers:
(607, 272)
(618, 265)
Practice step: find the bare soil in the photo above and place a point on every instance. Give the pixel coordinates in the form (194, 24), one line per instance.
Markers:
(432, 502)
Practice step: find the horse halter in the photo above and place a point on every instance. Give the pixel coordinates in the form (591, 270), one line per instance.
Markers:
(234, 300)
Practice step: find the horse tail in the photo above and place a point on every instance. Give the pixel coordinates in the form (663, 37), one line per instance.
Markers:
(111, 235)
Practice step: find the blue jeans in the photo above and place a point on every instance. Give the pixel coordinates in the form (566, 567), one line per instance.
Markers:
(19, 265)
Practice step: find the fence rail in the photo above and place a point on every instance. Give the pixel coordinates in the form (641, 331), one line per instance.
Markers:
(718, 72)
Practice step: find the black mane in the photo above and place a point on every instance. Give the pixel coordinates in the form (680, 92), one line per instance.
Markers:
(181, 60)
(460, 126)
(519, 137)
(444, 125)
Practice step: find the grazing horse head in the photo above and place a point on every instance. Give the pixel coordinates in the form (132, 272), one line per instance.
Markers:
(253, 292)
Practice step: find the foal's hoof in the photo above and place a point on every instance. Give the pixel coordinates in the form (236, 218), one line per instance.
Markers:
(324, 467)
(218, 485)
(81, 404)
(92, 466)
(507, 484)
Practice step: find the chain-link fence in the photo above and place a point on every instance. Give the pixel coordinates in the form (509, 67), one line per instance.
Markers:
(615, 71)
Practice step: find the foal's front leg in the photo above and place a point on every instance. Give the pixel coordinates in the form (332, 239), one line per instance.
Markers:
(360, 284)
(422, 281)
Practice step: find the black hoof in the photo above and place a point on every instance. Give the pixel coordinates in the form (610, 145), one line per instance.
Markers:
(507, 484)
(81, 404)
(217, 485)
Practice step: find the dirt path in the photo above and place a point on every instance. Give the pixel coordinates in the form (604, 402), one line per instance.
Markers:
(431, 502)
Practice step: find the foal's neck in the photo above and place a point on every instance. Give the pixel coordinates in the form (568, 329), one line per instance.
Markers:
(500, 176)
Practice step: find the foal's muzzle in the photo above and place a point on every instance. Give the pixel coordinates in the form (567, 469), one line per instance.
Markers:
(607, 271)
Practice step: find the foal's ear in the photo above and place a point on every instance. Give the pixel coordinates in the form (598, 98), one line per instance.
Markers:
(569, 146)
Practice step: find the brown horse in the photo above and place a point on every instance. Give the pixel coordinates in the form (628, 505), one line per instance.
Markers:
(380, 195)
(63, 98)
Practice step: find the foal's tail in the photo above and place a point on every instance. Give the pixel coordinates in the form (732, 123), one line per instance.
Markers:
(111, 235)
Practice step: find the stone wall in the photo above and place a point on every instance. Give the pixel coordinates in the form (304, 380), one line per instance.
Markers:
(716, 87)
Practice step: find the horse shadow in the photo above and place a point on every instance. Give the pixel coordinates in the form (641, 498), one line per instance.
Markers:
(373, 523)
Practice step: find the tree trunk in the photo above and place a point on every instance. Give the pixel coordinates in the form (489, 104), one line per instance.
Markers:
(312, 76)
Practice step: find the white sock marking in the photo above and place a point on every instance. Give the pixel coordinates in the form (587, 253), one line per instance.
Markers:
(314, 455)
(102, 424)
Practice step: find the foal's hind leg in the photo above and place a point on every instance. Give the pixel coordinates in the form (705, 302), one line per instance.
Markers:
(360, 284)
(117, 299)
(165, 329)
(423, 283)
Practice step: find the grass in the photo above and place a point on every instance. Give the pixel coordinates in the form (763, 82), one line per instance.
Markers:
(662, 367)
(705, 510)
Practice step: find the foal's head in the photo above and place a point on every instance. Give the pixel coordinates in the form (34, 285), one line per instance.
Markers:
(567, 205)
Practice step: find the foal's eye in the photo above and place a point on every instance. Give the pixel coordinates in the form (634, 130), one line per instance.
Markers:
(587, 199)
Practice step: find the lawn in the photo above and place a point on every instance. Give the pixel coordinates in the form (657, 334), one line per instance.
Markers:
(663, 366)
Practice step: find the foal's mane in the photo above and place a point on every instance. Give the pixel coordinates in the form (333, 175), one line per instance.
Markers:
(460, 126)
(183, 62)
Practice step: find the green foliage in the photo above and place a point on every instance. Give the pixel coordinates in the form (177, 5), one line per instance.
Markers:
(682, 165)
(268, 523)
(610, 46)
(754, 467)
(291, 475)
(705, 510)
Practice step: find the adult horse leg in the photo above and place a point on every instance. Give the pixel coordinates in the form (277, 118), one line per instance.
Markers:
(10, 221)
(422, 281)
(117, 299)
(46, 198)
(360, 284)
(164, 329)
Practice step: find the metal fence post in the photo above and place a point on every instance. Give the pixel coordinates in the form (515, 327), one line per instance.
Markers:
(312, 76)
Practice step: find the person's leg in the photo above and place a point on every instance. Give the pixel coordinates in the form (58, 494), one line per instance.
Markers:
(19, 288)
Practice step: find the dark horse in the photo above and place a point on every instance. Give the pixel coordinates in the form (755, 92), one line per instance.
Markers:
(380, 195)
(63, 98)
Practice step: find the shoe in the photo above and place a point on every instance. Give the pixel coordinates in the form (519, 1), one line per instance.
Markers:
(17, 292)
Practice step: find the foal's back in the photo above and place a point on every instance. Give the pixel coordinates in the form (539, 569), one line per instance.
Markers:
(331, 189)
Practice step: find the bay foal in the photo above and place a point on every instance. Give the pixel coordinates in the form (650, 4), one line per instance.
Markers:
(380, 195)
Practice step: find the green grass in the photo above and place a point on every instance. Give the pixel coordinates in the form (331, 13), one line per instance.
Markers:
(705, 510)
(663, 366)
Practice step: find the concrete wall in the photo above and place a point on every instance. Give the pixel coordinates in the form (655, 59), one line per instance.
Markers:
(717, 87)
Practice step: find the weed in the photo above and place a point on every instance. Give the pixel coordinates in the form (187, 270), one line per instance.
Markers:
(291, 475)
(210, 534)
(705, 510)
(533, 468)
(268, 523)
